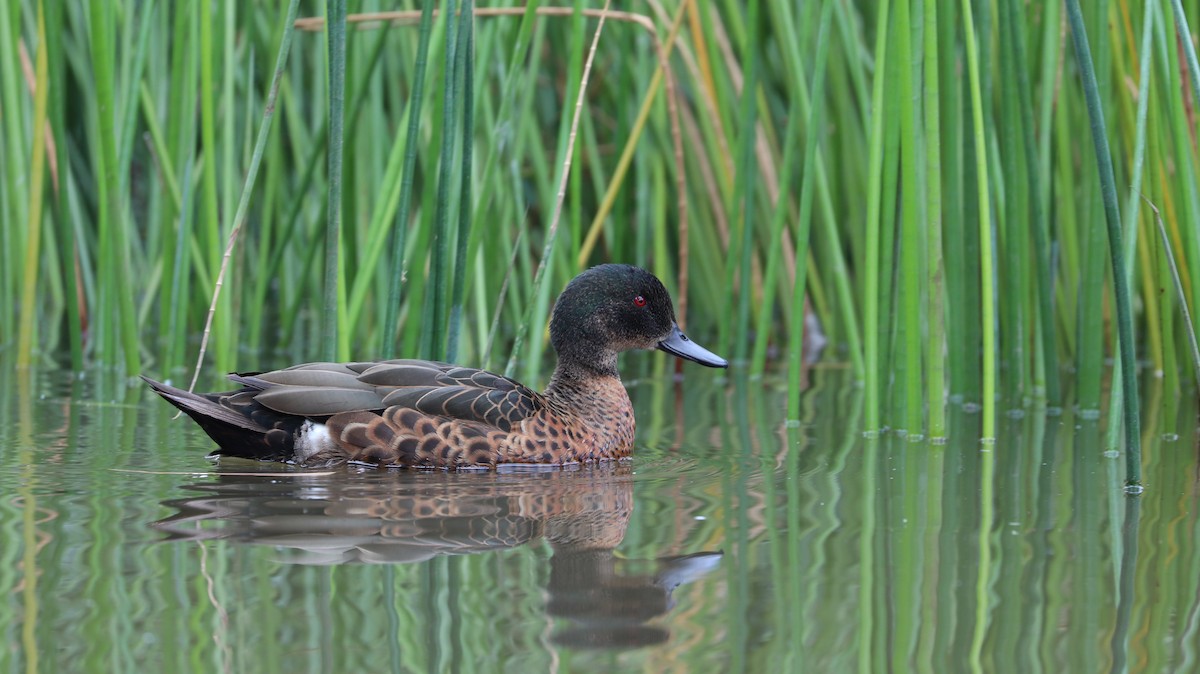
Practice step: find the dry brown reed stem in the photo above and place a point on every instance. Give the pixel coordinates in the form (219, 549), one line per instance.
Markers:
(230, 243)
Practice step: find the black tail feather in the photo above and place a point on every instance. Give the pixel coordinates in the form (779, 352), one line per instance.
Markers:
(240, 426)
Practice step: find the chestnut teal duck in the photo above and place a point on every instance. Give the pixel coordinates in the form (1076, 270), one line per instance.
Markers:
(427, 414)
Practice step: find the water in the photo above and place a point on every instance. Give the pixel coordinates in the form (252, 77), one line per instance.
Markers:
(735, 541)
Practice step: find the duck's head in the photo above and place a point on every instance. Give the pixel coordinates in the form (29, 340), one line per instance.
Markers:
(618, 307)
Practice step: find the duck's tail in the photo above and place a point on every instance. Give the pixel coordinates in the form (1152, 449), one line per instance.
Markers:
(234, 421)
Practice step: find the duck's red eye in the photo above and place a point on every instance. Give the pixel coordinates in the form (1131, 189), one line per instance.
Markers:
(639, 301)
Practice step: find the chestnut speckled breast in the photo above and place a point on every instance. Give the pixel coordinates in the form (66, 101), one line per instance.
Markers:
(427, 414)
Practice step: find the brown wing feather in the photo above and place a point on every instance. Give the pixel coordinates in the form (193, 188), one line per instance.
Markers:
(402, 374)
(452, 392)
(499, 409)
(403, 436)
(399, 373)
(318, 401)
(313, 377)
(320, 390)
(404, 412)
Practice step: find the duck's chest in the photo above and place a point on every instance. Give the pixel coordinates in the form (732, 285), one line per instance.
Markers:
(590, 423)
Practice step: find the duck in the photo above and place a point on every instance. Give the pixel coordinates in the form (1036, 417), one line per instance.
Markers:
(424, 414)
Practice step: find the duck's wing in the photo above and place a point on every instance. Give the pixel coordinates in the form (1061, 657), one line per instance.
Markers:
(321, 390)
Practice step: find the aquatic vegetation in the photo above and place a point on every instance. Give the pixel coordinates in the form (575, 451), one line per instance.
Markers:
(919, 176)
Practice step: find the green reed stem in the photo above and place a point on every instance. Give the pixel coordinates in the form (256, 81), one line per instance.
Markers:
(762, 328)
(67, 250)
(387, 344)
(961, 362)
(33, 238)
(987, 293)
(210, 221)
(317, 145)
(129, 94)
(910, 247)
(176, 153)
(439, 275)
(1039, 223)
(891, 324)
(873, 377)
(465, 72)
(745, 182)
(804, 230)
(1016, 322)
(112, 231)
(1133, 455)
(935, 354)
(336, 31)
(177, 316)
(1129, 245)
(14, 174)
(1092, 250)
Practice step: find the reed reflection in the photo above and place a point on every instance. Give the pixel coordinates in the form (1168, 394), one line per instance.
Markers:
(382, 517)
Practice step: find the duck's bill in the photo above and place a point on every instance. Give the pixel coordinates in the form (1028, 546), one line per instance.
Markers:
(678, 344)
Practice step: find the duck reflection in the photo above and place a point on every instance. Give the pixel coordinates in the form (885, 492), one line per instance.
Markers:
(383, 517)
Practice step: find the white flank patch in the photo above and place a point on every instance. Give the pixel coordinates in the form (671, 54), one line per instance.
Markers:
(313, 438)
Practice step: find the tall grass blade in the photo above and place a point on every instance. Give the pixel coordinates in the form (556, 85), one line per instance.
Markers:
(435, 317)
(1039, 223)
(15, 174)
(1154, 323)
(935, 354)
(67, 249)
(29, 306)
(874, 378)
(465, 72)
(391, 312)
(811, 143)
(987, 295)
(910, 245)
(745, 183)
(336, 32)
(1133, 437)
(113, 234)
(210, 220)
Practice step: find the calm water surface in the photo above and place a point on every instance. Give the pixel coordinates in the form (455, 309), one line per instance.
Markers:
(733, 542)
